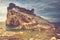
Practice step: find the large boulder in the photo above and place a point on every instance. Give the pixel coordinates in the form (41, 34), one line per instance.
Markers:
(24, 19)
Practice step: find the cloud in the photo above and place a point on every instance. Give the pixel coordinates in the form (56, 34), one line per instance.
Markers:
(2, 18)
(51, 19)
(49, 9)
(3, 9)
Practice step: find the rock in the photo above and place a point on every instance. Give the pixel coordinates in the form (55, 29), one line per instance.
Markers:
(53, 38)
(2, 30)
(31, 38)
(24, 19)
(21, 17)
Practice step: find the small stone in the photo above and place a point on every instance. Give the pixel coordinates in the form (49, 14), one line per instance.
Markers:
(53, 38)
(31, 38)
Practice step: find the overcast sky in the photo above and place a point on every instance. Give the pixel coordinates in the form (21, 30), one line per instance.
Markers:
(48, 9)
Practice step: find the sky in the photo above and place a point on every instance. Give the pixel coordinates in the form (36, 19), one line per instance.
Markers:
(47, 9)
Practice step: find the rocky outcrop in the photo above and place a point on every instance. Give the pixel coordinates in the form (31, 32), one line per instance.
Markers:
(23, 19)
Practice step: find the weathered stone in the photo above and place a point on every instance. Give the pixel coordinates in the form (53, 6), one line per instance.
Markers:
(24, 19)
